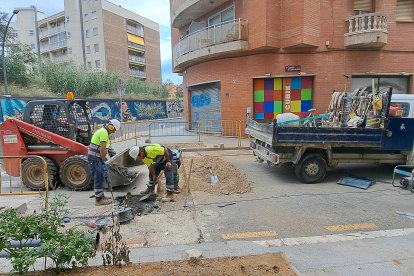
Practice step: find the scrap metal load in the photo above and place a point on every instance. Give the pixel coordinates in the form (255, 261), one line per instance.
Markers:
(361, 108)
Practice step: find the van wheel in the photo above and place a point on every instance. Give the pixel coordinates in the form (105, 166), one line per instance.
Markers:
(311, 169)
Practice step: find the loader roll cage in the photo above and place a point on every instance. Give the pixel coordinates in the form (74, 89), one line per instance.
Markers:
(70, 119)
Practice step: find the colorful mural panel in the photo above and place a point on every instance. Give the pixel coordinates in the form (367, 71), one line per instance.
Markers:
(273, 96)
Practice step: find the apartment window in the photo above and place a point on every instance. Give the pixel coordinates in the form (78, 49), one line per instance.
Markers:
(89, 65)
(405, 10)
(87, 33)
(97, 64)
(362, 6)
(221, 17)
(95, 31)
(31, 33)
(68, 34)
(88, 49)
(70, 50)
(32, 46)
(93, 15)
(67, 19)
(14, 34)
(399, 84)
(96, 47)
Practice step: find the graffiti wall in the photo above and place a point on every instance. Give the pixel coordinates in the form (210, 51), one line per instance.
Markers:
(104, 110)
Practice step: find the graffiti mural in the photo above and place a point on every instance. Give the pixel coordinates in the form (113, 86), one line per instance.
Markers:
(175, 109)
(146, 110)
(12, 108)
(104, 110)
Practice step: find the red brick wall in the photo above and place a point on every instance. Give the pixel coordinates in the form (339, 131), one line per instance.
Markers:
(310, 22)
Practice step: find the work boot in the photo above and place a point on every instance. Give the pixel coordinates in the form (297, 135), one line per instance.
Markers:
(177, 189)
(148, 190)
(169, 197)
(103, 201)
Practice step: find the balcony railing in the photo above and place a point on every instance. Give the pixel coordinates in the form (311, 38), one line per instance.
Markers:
(212, 35)
(135, 30)
(367, 30)
(135, 58)
(59, 59)
(53, 46)
(367, 23)
(136, 46)
(137, 73)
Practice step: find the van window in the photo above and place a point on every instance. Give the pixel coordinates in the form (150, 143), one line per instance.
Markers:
(405, 106)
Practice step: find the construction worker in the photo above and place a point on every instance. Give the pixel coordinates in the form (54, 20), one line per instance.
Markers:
(158, 158)
(101, 145)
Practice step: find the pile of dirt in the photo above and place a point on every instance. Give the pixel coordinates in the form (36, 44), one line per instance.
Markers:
(139, 208)
(268, 264)
(231, 179)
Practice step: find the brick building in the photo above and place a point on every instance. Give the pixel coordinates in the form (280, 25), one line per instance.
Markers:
(96, 34)
(273, 56)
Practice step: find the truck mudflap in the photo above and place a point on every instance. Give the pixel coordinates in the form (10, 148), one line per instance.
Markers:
(264, 153)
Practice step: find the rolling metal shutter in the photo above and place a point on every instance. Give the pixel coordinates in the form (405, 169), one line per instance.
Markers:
(405, 10)
(363, 5)
(205, 107)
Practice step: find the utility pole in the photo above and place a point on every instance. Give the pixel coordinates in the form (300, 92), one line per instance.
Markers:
(4, 59)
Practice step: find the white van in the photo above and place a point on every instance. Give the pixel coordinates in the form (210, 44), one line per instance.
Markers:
(407, 103)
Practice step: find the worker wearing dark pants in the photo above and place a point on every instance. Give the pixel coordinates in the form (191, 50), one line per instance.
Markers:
(97, 151)
(157, 158)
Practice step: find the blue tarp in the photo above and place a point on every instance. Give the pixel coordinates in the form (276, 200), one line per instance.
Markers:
(358, 182)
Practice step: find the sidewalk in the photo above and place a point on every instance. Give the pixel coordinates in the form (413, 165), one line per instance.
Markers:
(367, 253)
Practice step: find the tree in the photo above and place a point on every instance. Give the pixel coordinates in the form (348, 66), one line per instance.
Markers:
(20, 59)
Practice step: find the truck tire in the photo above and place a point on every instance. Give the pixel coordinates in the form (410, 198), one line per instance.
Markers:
(32, 174)
(75, 173)
(311, 168)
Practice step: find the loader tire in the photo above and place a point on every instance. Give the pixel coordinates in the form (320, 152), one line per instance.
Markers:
(311, 169)
(75, 173)
(33, 177)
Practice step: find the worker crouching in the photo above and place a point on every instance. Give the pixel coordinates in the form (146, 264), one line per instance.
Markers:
(158, 158)
(99, 147)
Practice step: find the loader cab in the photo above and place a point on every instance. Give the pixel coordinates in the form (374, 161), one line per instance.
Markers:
(68, 118)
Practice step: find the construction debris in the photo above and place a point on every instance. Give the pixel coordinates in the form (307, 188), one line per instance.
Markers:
(131, 175)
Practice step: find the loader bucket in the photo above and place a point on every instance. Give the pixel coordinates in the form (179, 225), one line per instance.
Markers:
(123, 170)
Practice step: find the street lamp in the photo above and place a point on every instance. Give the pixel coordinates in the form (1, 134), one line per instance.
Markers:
(3, 46)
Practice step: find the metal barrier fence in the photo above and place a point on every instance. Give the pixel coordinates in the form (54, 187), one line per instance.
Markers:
(9, 167)
(224, 128)
(158, 129)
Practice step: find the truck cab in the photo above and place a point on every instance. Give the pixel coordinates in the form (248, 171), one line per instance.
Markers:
(407, 103)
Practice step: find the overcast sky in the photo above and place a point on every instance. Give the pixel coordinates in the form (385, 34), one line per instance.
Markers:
(156, 10)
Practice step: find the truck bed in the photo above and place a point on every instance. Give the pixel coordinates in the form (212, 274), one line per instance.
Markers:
(397, 135)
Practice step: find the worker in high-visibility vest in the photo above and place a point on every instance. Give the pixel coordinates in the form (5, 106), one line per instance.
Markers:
(158, 158)
(101, 145)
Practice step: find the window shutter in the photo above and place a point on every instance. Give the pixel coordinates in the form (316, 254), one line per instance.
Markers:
(363, 5)
(405, 10)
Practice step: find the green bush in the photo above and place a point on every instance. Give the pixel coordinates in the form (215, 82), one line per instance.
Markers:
(67, 249)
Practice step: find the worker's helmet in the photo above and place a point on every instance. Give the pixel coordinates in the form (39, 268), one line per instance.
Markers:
(134, 151)
(116, 124)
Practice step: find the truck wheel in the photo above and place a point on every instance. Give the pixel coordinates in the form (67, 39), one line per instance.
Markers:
(75, 173)
(311, 169)
(33, 177)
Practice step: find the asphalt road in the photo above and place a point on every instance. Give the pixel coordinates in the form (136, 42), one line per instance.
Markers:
(281, 206)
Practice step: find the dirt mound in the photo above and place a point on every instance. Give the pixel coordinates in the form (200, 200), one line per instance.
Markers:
(231, 179)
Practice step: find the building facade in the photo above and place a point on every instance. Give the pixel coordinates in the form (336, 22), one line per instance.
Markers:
(98, 35)
(265, 57)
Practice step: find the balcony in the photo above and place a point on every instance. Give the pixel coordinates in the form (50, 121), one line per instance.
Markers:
(136, 46)
(367, 31)
(53, 46)
(135, 30)
(228, 37)
(137, 73)
(136, 59)
(185, 11)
